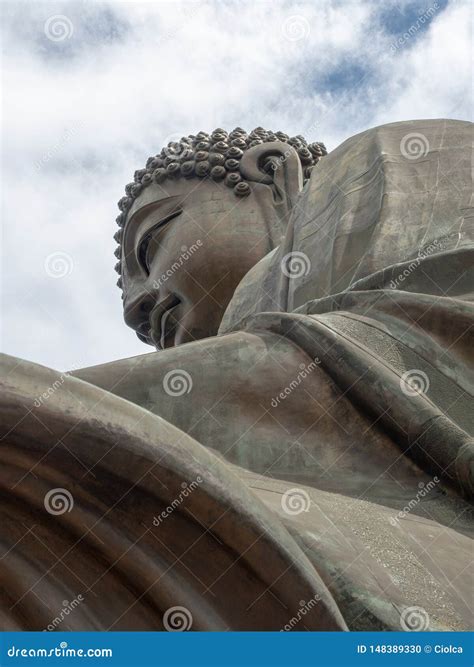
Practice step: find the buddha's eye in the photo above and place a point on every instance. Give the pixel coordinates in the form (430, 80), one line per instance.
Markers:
(149, 243)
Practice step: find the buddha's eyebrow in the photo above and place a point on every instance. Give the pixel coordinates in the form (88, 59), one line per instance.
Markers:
(150, 216)
(158, 222)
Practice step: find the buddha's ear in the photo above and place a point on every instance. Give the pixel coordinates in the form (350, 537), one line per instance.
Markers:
(276, 164)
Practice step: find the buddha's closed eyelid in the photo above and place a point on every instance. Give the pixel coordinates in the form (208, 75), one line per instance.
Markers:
(144, 242)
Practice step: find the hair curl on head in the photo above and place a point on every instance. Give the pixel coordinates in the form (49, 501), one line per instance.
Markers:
(217, 156)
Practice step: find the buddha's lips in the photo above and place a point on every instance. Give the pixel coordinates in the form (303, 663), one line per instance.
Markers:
(143, 333)
(162, 324)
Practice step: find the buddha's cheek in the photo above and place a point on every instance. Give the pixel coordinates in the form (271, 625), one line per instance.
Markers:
(187, 333)
(197, 320)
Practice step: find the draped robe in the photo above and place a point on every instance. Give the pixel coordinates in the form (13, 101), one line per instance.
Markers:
(310, 467)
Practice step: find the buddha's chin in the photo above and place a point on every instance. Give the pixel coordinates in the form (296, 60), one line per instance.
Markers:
(177, 328)
(184, 336)
(190, 332)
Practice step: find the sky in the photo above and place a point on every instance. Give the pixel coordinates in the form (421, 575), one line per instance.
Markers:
(91, 89)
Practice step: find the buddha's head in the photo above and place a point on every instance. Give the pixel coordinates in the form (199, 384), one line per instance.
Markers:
(196, 219)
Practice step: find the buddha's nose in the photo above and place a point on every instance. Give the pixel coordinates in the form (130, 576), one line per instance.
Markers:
(137, 313)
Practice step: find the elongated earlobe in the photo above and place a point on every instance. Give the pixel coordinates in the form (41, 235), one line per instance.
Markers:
(276, 164)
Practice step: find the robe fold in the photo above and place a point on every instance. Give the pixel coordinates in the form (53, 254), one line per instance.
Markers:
(309, 468)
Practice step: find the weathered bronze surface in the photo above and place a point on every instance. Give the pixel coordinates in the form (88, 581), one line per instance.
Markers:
(298, 454)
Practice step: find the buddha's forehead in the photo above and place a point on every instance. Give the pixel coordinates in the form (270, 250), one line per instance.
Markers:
(205, 195)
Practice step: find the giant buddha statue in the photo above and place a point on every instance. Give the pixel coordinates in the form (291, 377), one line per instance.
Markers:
(297, 453)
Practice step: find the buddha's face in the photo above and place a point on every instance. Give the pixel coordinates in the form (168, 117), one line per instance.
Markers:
(185, 249)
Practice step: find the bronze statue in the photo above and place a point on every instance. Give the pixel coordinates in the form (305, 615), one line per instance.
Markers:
(298, 454)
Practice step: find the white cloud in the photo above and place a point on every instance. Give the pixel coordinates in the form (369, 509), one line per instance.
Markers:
(433, 78)
(81, 114)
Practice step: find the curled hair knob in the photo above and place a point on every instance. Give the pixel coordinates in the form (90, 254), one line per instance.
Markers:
(232, 165)
(187, 169)
(218, 172)
(216, 158)
(242, 189)
(232, 179)
(159, 175)
(202, 168)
